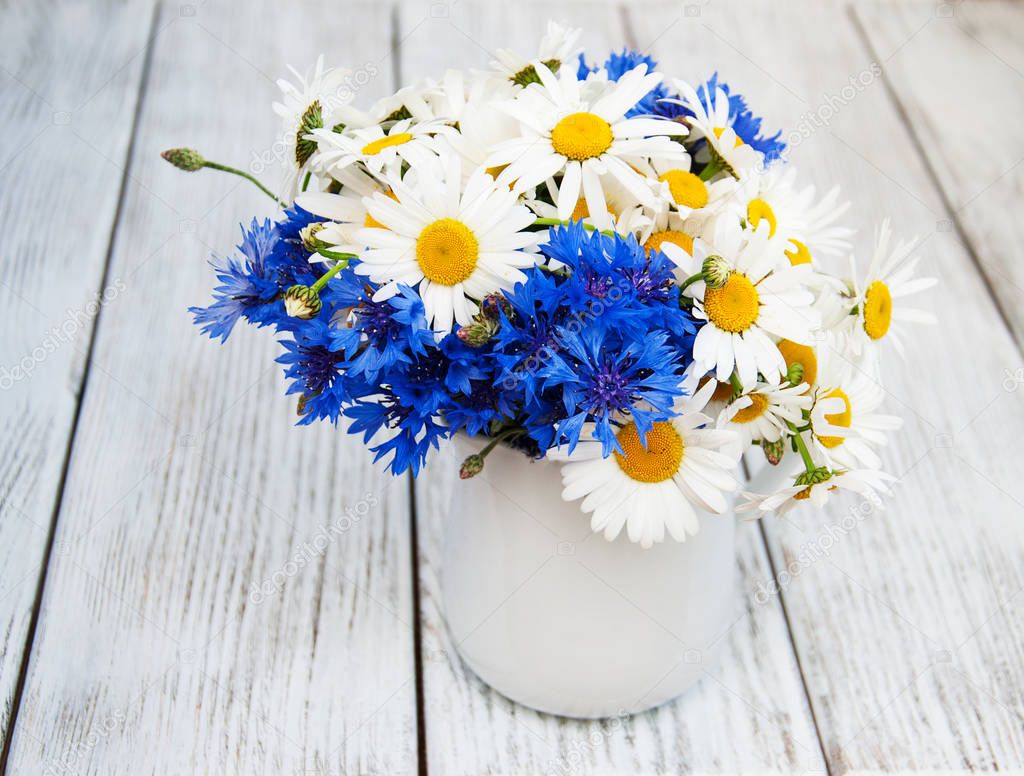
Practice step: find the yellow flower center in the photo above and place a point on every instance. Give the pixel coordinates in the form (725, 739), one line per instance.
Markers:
(877, 310)
(758, 209)
(799, 254)
(733, 307)
(686, 188)
(794, 353)
(388, 141)
(718, 133)
(656, 240)
(447, 252)
(754, 410)
(842, 419)
(581, 136)
(658, 461)
(372, 222)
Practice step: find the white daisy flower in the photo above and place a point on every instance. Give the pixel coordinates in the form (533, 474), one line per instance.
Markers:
(805, 226)
(816, 487)
(686, 193)
(311, 102)
(762, 412)
(409, 102)
(763, 297)
(557, 47)
(379, 150)
(651, 487)
(454, 241)
(880, 311)
(845, 428)
(816, 234)
(579, 131)
(346, 211)
(712, 124)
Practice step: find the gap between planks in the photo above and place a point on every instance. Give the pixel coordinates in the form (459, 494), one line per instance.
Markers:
(26, 653)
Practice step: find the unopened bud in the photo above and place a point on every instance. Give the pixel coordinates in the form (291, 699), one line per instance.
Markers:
(308, 235)
(472, 466)
(814, 477)
(311, 119)
(187, 159)
(485, 323)
(795, 373)
(302, 302)
(773, 451)
(476, 334)
(715, 271)
(493, 303)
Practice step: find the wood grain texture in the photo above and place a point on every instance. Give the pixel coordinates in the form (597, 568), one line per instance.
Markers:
(228, 593)
(68, 88)
(908, 622)
(957, 70)
(749, 714)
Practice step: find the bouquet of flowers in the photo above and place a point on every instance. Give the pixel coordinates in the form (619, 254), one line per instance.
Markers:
(593, 263)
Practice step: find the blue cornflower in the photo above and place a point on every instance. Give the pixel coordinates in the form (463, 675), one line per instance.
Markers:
(474, 411)
(385, 333)
(620, 63)
(247, 286)
(314, 368)
(746, 125)
(603, 377)
(410, 432)
(289, 257)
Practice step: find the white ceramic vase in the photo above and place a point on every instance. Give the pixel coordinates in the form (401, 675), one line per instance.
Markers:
(561, 620)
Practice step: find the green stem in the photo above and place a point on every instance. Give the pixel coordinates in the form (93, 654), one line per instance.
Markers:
(690, 281)
(322, 280)
(737, 386)
(336, 256)
(243, 174)
(801, 446)
(305, 181)
(713, 168)
(500, 437)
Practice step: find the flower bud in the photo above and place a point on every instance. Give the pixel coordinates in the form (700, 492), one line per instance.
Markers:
(476, 334)
(795, 373)
(308, 235)
(814, 477)
(492, 304)
(302, 302)
(187, 159)
(773, 451)
(486, 322)
(715, 271)
(472, 466)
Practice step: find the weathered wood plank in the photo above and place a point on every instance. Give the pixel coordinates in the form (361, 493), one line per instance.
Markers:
(748, 714)
(68, 89)
(908, 622)
(229, 593)
(957, 70)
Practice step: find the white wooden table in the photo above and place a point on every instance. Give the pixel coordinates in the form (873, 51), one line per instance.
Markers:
(166, 605)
